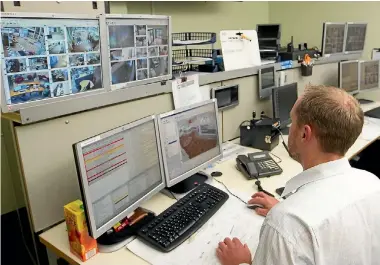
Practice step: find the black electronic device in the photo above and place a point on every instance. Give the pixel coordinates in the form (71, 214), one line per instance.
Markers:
(177, 223)
(268, 31)
(267, 81)
(373, 113)
(227, 96)
(283, 100)
(279, 191)
(290, 46)
(297, 55)
(257, 165)
(260, 133)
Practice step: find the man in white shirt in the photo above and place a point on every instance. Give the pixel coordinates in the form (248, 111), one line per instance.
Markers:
(331, 214)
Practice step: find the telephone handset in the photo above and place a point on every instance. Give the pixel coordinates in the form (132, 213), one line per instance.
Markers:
(247, 167)
(257, 165)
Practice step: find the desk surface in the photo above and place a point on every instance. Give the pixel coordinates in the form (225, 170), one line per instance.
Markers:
(56, 238)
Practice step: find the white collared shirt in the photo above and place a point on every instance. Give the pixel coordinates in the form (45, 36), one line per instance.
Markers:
(330, 217)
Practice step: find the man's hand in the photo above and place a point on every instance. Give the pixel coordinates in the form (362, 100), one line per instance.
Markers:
(265, 200)
(233, 252)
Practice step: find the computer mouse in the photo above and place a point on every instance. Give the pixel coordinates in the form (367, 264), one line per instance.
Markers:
(254, 206)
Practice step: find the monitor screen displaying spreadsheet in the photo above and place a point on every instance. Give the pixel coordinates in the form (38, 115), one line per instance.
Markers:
(117, 171)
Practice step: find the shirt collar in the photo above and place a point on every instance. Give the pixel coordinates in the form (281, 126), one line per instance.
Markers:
(316, 173)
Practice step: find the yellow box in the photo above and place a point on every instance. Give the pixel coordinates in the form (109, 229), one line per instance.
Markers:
(81, 244)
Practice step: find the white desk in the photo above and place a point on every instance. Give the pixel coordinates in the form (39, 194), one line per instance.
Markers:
(56, 239)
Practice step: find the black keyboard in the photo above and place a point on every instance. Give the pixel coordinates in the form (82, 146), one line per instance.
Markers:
(374, 113)
(177, 223)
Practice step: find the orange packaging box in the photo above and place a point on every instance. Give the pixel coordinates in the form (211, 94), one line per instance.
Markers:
(81, 244)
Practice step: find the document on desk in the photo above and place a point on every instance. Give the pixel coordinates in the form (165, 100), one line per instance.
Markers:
(233, 219)
(371, 129)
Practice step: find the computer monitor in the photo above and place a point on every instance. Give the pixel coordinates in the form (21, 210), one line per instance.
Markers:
(227, 96)
(190, 141)
(268, 31)
(46, 57)
(283, 100)
(118, 170)
(355, 37)
(267, 81)
(349, 76)
(333, 38)
(369, 75)
(139, 49)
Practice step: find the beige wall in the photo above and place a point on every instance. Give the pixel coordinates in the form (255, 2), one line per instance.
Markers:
(78, 7)
(304, 20)
(201, 16)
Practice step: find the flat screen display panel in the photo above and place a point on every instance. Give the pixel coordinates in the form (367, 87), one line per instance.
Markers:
(45, 58)
(355, 37)
(369, 75)
(349, 76)
(333, 38)
(138, 51)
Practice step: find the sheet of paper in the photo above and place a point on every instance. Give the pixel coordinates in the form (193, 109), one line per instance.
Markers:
(186, 93)
(376, 54)
(371, 129)
(238, 52)
(233, 219)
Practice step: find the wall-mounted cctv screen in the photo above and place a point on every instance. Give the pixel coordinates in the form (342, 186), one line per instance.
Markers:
(138, 49)
(355, 37)
(333, 38)
(45, 57)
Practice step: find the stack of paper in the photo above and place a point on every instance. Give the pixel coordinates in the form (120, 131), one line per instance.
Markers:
(233, 219)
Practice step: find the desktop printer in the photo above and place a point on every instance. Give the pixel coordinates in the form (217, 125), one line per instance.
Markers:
(260, 133)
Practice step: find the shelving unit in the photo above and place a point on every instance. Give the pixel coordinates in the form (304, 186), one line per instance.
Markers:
(197, 59)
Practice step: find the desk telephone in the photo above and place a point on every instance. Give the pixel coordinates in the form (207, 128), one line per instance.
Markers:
(257, 165)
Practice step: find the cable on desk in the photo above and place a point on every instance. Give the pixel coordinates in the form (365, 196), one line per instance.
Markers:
(171, 193)
(237, 197)
(280, 160)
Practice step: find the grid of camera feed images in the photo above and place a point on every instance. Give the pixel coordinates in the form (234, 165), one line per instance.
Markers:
(45, 61)
(137, 52)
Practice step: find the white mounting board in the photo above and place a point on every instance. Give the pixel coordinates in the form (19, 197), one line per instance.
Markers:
(238, 52)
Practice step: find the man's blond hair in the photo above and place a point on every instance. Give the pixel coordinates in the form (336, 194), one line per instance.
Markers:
(335, 116)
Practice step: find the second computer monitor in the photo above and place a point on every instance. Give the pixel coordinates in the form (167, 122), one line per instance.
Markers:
(267, 81)
(283, 99)
(190, 140)
(349, 76)
(369, 75)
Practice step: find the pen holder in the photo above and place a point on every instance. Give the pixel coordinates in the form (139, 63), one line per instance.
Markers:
(306, 70)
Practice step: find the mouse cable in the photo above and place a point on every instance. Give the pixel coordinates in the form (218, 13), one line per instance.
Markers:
(224, 185)
(280, 160)
(283, 141)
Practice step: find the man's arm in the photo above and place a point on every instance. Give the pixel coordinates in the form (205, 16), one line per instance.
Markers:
(275, 249)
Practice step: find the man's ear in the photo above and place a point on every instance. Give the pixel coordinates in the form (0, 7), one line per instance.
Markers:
(306, 135)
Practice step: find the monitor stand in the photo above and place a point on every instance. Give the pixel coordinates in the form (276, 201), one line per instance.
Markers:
(364, 101)
(188, 184)
(113, 241)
